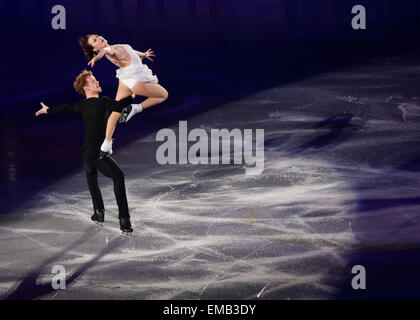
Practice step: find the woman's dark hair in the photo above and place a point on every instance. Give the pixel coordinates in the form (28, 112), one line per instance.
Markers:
(87, 48)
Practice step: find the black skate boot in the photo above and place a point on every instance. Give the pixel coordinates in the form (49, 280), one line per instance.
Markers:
(98, 216)
(106, 149)
(125, 226)
(125, 113)
(129, 111)
(103, 154)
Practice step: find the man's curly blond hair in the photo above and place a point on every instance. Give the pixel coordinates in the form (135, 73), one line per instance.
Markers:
(80, 81)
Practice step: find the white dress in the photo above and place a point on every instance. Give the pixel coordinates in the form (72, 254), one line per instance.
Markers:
(136, 71)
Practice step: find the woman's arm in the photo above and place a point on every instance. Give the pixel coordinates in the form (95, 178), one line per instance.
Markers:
(100, 55)
(140, 54)
(149, 53)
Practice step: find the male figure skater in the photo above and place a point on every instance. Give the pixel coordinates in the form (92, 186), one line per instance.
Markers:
(94, 111)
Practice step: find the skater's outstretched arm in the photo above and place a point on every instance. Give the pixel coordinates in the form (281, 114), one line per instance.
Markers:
(149, 53)
(64, 108)
(100, 55)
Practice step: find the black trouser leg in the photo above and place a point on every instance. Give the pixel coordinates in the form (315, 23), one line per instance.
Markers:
(108, 167)
(95, 192)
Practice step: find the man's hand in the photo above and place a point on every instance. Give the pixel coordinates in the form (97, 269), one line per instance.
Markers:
(43, 110)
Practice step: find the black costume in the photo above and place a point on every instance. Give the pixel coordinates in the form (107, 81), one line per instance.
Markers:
(95, 112)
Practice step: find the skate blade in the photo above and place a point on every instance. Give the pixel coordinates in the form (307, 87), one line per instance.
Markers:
(122, 119)
(131, 114)
(103, 154)
(99, 223)
(126, 234)
(124, 115)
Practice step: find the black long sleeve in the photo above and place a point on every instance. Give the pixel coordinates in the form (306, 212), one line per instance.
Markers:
(65, 108)
(117, 106)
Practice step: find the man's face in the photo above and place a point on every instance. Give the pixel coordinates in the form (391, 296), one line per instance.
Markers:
(92, 85)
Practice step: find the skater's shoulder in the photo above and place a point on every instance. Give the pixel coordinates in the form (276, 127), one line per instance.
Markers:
(105, 100)
(90, 100)
(122, 45)
(119, 45)
(82, 102)
(99, 98)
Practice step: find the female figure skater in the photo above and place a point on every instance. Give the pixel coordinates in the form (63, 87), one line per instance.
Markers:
(134, 77)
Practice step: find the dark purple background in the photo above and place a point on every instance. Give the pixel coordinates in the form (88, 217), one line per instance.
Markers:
(208, 53)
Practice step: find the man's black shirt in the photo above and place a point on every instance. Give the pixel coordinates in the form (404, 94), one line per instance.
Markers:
(94, 112)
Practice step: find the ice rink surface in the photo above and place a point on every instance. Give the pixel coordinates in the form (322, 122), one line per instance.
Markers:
(340, 187)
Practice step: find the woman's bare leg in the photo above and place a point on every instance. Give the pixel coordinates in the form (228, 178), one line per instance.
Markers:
(123, 91)
(155, 93)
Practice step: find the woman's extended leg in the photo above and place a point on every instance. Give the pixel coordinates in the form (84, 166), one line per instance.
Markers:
(123, 91)
(155, 93)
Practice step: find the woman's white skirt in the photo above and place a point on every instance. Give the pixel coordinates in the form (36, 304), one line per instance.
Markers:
(134, 73)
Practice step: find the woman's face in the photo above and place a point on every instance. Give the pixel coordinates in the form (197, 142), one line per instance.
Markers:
(97, 42)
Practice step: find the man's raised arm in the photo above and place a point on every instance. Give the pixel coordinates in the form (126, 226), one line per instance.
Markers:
(118, 106)
(64, 108)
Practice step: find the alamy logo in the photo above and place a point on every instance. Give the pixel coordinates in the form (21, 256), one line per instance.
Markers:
(198, 153)
(359, 280)
(359, 20)
(59, 280)
(59, 20)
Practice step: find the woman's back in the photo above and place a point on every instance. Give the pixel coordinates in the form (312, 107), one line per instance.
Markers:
(123, 55)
